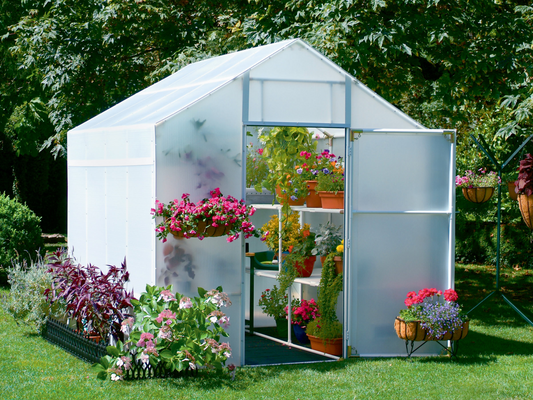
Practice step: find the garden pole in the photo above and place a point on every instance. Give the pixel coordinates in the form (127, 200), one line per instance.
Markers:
(498, 227)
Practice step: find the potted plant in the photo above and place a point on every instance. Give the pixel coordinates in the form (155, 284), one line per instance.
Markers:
(215, 216)
(431, 315)
(327, 239)
(291, 232)
(302, 313)
(524, 189)
(330, 178)
(325, 332)
(282, 147)
(477, 187)
(307, 168)
(300, 261)
(339, 257)
(274, 302)
(256, 173)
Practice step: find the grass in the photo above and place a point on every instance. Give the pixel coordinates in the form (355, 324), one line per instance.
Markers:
(495, 362)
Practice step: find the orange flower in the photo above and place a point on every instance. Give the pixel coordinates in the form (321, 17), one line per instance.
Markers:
(290, 249)
(306, 233)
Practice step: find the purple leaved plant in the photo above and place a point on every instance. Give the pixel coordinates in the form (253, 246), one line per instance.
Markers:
(97, 301)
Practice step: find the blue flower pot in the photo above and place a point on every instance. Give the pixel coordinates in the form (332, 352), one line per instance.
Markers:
(300, 334)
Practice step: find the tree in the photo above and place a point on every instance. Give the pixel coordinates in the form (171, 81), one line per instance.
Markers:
(441, 61)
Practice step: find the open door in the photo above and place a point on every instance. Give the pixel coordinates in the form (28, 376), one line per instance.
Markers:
(400, 230)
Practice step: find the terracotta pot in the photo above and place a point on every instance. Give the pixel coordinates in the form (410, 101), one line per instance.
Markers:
(305, 271)
(282, 198)
(414, 331)
(332, 200)
(313, 199)
(512, 194)
(478, 194)
(526, 208)
(338, 264)
(330, 346)
(322, 260)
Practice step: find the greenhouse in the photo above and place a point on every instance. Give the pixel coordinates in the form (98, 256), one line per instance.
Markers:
(190, 134)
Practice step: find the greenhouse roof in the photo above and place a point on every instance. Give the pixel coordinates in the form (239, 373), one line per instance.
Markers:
(196, 81)
(183, 88)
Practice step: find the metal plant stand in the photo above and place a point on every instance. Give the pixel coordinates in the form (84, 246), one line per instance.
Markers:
(452, 350)
(483, 146)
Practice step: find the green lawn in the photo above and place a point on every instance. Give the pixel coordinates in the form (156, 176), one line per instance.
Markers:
(495, 362)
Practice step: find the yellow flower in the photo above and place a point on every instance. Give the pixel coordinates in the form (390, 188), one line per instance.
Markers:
(340, 248)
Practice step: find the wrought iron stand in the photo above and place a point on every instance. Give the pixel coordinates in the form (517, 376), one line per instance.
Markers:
(483, 146)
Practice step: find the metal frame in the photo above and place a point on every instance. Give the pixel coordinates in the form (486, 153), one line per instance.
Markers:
(484, 147)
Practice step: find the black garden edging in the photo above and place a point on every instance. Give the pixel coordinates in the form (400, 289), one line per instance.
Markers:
(75, 343)
(88, 350)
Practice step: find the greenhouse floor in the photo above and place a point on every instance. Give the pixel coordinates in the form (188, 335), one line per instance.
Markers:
(261, 351)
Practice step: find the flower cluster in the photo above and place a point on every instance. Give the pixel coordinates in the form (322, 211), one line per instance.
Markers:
(292, 234)
(304, 312)
(183, 217)
(171, 329)
(437, 317)
(330, 176)
(479, 179)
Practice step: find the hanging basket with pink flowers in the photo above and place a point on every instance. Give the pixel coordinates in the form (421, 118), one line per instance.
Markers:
(216, 216)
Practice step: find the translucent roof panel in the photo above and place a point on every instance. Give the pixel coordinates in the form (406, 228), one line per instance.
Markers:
(190, 84)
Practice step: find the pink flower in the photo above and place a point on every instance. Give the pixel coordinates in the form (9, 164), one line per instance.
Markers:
(167, 295)
(166, 314)
(145, 340)
(185, 302)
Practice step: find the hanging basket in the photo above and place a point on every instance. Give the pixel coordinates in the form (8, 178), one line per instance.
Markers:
(332, 200)
(203, 230)
(478, 194)
(414, 331)
(313, 199)
(526, 208)
(512, 194)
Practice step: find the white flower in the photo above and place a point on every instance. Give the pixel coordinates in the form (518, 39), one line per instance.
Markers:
(115, 377)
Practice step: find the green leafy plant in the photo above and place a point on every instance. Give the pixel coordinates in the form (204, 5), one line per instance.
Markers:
(273, 302)
(331, 283)
(256, 166)
(327, 239)
(171, 329)
(283, 148)
(20, 234)
(26, 301)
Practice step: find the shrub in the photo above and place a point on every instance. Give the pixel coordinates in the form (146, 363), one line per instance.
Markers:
(20, 234)
(26, 301)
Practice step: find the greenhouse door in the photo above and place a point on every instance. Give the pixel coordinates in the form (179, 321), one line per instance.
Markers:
(400, 230)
